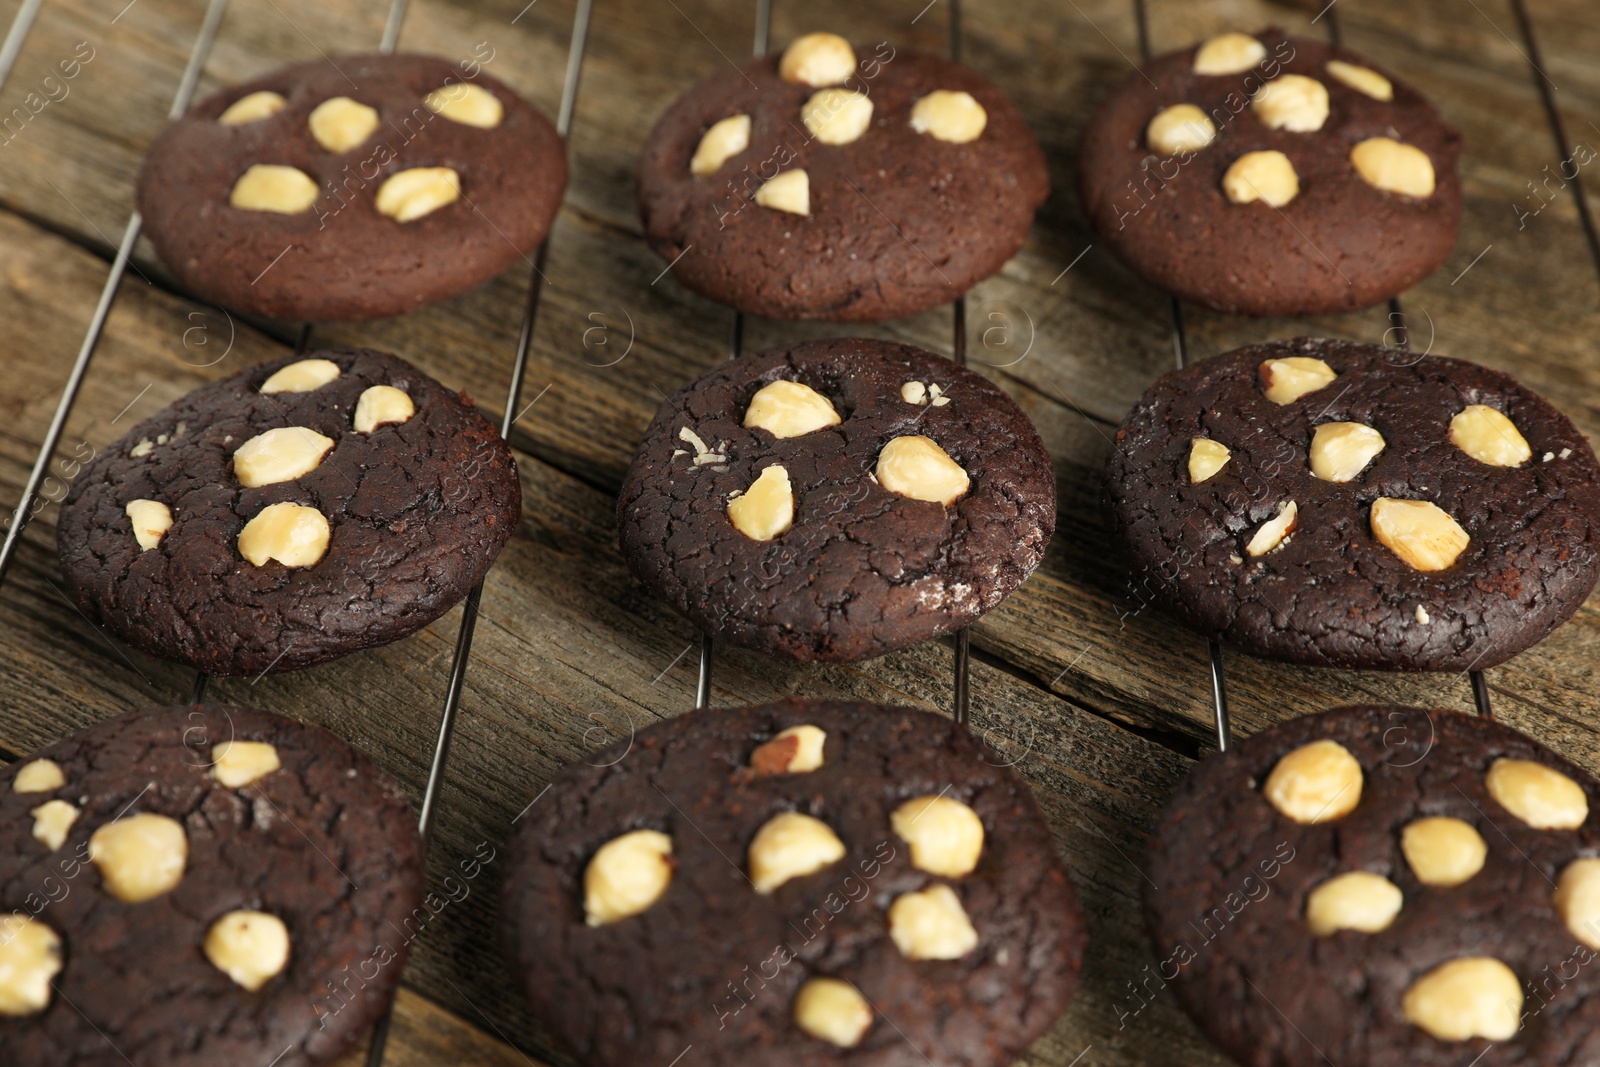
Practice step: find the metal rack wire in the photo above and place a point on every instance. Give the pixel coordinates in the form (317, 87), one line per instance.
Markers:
(960, 699)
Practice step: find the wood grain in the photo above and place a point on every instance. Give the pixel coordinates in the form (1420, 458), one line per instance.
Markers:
(1102, 700)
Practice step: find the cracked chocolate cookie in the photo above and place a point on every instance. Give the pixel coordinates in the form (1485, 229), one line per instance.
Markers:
(1383, 886)
(297, 511)
(351, 187)
(1347, 505)
(839, 182)
(836, 500)
(805, 882)
(200, 885)
(1270, 175)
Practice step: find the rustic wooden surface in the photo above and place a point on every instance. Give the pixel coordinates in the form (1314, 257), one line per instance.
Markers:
(1103, 702)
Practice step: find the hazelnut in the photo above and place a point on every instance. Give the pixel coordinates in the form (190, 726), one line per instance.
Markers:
(1342, 450)
(766, 509)
(797, 750)
(408, 195)
(1578, 900)
(470, 105)
(1273, 532)
(817, 59)
(789, 409)
(1284, 381)
(1206, 458)
(626, 876)
(238, 763)
(914, 393)
(1360, 901)
(140, 856)
(1443, 851)
(945, 835)
(1317, 782)
(1179, 128)
(917, 467)
(837, 116)
(833, 1011)
(39, 776)
(273, 187)
(1543, 798)
(251, 947)
(789, 191)
(279, 455)
(931, 925)
(293, 534)
(252, 107)
(724, 140)
(30, 956)
(52, 821)
(1419, 532)
(1489, 437)
(151, 519)
(1394, 167)
(1266, 176)
(1361, 79)
(381, 405)
(1475, 996)
(301, 376)
(1293, 102)
(1231, 53)
(791, 845)
(954, 117)
(340, 123)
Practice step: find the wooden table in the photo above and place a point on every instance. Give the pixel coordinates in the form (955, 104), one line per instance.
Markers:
(1103, 703)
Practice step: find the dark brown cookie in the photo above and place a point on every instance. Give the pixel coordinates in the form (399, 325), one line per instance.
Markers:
(1341, 243)
(1338, 591)
(1424, 926)
(339, 257)
(716, 949)
(899, 220)
(413, 512)
(268, 922)
(864, 569)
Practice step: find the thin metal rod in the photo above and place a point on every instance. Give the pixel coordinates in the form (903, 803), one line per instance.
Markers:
(708, 644)
(391, 27)
(21, 23)
(469, 614)
(1335, 35)
(1219, 698)
(1480, 694)
(1547, 94)
(108, 294)
(962, 694)
(198, 692)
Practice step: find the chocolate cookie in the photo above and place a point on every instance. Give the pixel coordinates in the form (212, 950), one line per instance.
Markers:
(351, 187)
(299, 510)
(1389, 887)
(1347, 505)
(836, 500)
(1270, 175)
(851, 184)
(200, 885)
(806, 882)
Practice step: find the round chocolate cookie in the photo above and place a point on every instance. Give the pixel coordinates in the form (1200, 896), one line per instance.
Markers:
(1347, 505)
(804, 883)
(1382, 886)
(351, 187)
(836, 500)
(851, 184)
(1270, 175)
(200, 885)
(297, 511)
